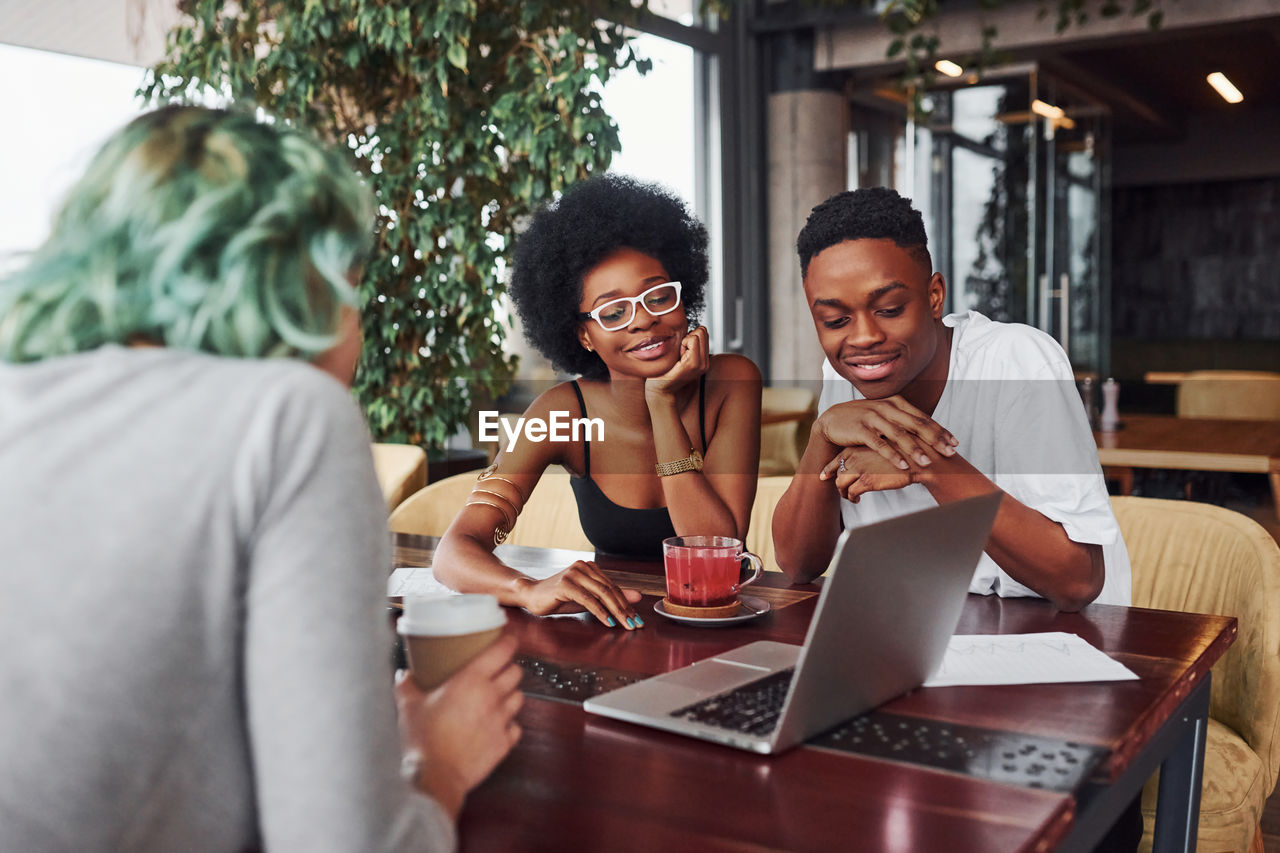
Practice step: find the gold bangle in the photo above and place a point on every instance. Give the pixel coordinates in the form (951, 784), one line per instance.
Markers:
(500, 533)
(491, 473)
(506, 500)
(511, 522)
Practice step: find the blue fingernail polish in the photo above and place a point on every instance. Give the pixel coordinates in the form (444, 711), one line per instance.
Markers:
(639, 622)
(630, 624)
(610, 622)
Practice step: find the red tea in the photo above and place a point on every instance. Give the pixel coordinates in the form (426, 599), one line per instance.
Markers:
(703, 576)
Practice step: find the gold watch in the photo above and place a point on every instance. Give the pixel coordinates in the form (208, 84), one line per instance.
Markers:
(692, 462)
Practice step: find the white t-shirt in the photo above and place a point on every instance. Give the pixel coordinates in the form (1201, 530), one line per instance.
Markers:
(1011, 401)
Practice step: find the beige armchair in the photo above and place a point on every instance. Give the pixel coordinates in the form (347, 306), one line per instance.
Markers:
(548, 520)
(1205, 559)
(786, 415)
(769, 491)
(401, 469)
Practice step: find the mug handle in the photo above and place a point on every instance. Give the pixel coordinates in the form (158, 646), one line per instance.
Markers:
(757, 565)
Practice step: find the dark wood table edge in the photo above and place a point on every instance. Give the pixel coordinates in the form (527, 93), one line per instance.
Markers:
(1124, 754)
(1175, 746)
(1177, 750)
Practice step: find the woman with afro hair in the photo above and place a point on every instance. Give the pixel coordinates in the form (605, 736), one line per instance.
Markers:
(608, 283)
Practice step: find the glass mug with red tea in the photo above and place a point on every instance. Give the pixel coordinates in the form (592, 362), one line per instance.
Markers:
(703, 575)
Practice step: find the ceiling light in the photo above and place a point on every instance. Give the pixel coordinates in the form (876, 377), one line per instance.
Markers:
(949, 68)
(1040, 108)
(1225, 88)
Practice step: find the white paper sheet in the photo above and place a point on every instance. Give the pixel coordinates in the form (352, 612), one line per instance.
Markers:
(978, 659)
(535, 562)
(415, 581)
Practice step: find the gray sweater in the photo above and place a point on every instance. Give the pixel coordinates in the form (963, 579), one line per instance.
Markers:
(194, 652)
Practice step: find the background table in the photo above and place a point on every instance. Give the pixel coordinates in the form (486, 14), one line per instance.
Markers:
(580, 781)
(1193, 444)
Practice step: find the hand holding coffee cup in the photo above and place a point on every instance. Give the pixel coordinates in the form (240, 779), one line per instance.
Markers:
(455, 735)
(703, 575)
(442, 634)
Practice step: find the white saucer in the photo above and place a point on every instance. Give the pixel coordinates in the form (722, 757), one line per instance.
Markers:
(748, 608)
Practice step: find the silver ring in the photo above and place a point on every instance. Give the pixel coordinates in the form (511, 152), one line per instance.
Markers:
(841, 464)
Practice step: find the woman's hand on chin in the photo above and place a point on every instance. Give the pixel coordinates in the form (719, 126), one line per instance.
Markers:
(693, 362)
(580, 587)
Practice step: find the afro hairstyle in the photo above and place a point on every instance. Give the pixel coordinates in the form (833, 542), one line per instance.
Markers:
(568, 238)
(873, 213)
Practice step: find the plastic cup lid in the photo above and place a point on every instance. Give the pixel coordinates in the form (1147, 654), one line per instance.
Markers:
(450, 616)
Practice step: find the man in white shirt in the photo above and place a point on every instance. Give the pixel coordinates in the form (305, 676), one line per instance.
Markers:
(920, 409)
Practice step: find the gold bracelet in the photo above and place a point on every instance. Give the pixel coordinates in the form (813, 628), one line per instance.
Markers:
(692, 462)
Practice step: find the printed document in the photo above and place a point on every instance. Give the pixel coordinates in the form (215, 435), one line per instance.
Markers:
(978, 659)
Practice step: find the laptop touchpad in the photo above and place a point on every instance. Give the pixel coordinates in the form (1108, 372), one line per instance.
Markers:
(712, 676)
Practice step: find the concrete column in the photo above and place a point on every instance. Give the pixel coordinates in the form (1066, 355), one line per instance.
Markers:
(807, 140)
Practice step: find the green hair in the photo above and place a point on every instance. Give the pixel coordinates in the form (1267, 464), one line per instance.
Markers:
(196, 229)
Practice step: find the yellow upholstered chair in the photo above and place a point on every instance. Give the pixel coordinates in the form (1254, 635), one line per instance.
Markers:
(760, 532)
(782, 442)
(1239, 394)
(548, 520)
(1205, 559)
(430, 510)
(401, 469)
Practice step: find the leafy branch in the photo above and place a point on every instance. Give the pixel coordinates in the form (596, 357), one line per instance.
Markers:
(463, 116)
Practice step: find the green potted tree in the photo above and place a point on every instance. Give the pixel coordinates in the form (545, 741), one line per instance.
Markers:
(463, 115)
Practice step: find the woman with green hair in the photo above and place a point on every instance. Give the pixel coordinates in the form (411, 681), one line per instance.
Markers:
(193, 642)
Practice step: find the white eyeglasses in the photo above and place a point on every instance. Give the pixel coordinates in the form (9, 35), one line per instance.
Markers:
(618, 313)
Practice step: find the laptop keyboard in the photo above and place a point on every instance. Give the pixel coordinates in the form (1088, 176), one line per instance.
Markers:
(752, 708)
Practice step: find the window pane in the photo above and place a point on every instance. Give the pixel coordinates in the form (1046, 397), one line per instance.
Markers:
(61, 132)
(683, 11)
(655, 116)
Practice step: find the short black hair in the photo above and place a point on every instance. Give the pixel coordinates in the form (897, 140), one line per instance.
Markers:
(566, 239)
(873, 213)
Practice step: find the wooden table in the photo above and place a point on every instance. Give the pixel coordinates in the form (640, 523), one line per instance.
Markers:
(1164, 377)
(1193, 444)
(577, 781)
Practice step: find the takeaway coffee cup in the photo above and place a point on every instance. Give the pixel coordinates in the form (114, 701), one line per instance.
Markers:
(442, 634)
(703, 574)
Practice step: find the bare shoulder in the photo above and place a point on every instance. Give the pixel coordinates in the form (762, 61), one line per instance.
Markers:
(558, 398)
(732, 366)
(542, 434)
(733, 381)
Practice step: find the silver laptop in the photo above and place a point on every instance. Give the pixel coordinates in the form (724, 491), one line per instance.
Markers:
(891, 600)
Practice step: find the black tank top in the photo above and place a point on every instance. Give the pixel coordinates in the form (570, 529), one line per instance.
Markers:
(621, 530)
